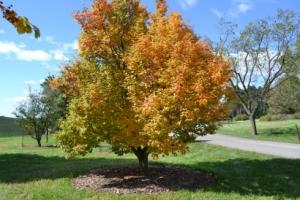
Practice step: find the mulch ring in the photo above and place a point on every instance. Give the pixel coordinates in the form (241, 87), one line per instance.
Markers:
(158, 179)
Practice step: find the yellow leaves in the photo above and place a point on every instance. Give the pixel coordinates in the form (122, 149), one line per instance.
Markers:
(136, 84)
(21, 23)
(161, 7)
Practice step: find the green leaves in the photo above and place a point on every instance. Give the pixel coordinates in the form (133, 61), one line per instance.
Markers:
(24, 26)
(21, 23)
(37, 32)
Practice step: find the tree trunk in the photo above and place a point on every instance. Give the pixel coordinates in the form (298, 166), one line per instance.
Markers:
(39, 142)
(253, 124)
(142, 155)
(47, 135)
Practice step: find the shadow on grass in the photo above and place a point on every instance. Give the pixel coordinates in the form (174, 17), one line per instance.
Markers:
(279, 131)
(271, 177)
(18, 168)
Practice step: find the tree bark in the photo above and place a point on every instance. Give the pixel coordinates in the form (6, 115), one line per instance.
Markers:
(142, 155)
(253, 124)
(47, 135)
(39, 141)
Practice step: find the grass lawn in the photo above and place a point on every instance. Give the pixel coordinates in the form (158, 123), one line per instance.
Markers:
(43, 173)
(282, 131)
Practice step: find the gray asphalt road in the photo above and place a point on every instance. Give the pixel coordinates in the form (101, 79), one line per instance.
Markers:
(281, 149)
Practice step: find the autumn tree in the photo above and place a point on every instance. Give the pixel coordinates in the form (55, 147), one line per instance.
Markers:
(145, 83)
(21, 23)
(260, 55)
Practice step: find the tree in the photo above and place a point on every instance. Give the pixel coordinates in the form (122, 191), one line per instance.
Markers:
(145, 83)
(260, 55)
(55, 106)
(21, 23)
(31, 117)
(41, 112)
(285, 97)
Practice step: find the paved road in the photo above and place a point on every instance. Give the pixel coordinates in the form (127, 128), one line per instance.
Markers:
(281, 149)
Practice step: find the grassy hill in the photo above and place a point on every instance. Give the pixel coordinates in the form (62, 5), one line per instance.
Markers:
(9, 127)
(280, 131)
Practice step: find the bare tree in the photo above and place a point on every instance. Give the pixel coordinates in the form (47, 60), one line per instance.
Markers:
(260, 55)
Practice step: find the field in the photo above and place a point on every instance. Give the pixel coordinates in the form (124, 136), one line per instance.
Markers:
(43, 173)
(282, 131)
(30, 172)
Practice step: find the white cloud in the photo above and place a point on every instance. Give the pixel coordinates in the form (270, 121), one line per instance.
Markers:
(30, 82)
(71, 46)
(186, 4)
(244, 7)
(38, 55)
(8, 47)
(23, 54)
(237, 8)
(51, 67)
(59, 55)
(216, 12)
(51, 40)
(191, 2)
(16, 99)
(240, 7)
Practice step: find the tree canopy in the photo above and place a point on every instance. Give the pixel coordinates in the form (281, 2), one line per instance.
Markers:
(144, 82)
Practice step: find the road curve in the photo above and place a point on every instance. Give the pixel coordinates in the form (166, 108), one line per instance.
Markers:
(280, 149)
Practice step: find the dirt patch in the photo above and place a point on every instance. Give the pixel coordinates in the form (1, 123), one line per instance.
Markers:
(158, 179)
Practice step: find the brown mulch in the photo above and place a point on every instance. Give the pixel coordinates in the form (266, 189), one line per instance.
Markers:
(158, 179)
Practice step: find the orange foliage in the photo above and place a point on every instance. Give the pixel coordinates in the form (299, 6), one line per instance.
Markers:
(145, 81)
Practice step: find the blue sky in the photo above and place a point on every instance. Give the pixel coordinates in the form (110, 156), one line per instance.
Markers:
(26, 61)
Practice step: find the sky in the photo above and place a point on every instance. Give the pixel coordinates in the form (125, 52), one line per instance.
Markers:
(26, 61)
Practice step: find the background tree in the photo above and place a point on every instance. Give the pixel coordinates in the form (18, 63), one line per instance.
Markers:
(152, 101)
(21, 23)
(285, 97)
(260, 55)
(55, 106)
(31, 117)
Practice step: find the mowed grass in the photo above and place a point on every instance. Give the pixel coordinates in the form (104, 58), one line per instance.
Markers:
(282, 131)
(44, 173)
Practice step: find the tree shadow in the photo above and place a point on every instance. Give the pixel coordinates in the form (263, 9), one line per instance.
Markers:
(272, 177)
(279, 131)
(20, 168)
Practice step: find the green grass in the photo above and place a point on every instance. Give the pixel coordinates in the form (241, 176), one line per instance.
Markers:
(282, 131)
(43, 173)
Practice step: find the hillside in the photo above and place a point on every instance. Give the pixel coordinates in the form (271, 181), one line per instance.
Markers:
(9, 127)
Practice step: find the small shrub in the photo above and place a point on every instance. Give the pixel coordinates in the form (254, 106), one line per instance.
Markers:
(241, 117)
(277, 117)
(297, 115)
(266, 117)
